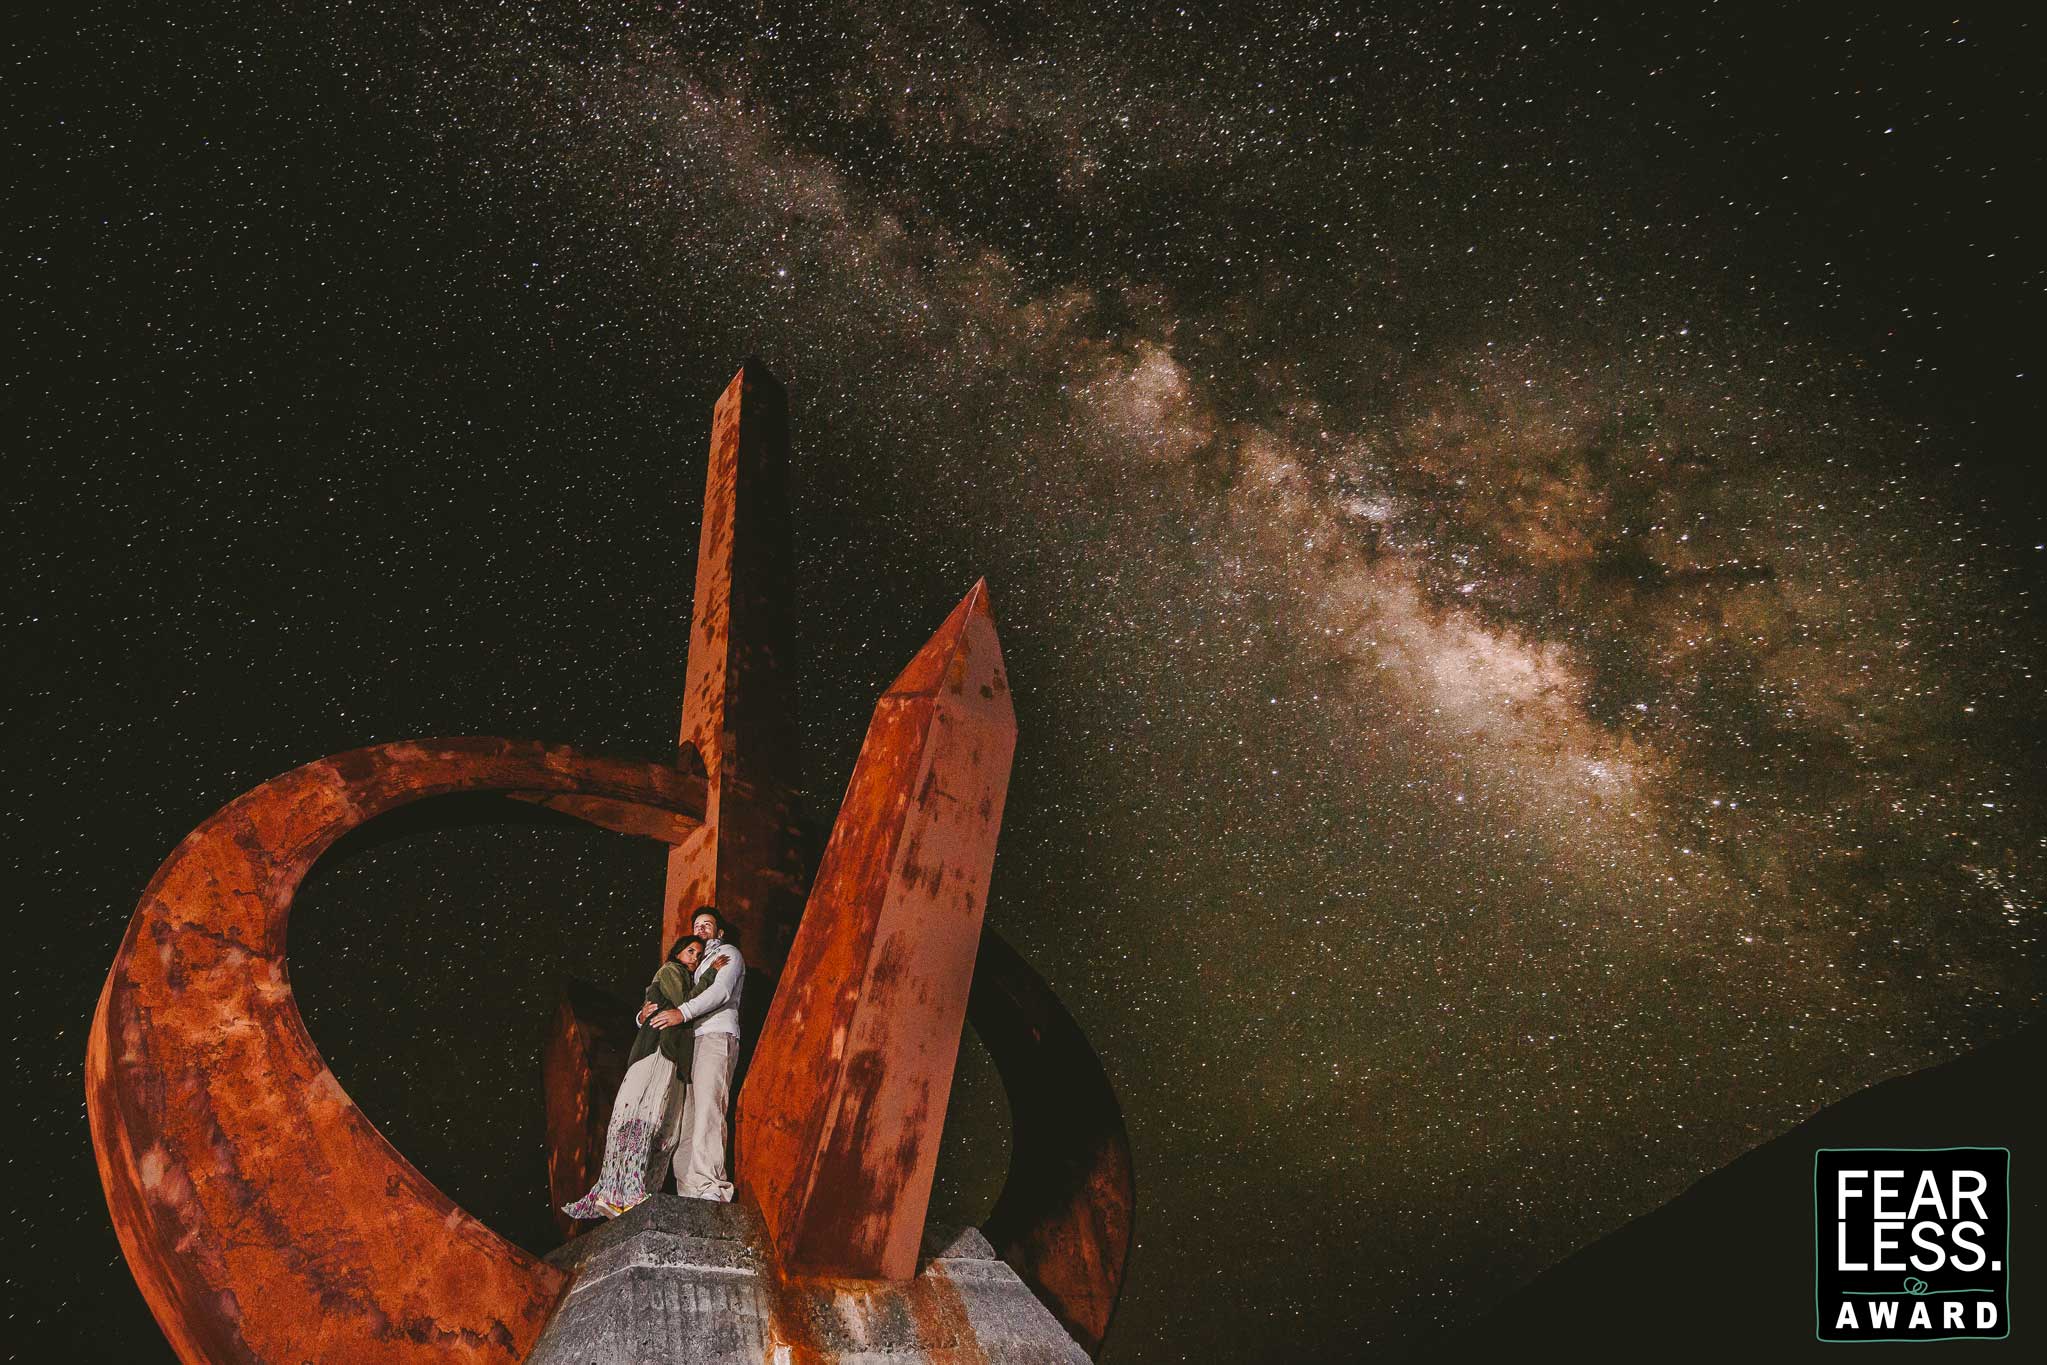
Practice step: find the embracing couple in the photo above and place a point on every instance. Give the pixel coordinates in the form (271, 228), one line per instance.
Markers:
(671, 1107)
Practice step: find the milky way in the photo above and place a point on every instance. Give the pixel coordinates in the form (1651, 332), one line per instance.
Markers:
(1521, 697)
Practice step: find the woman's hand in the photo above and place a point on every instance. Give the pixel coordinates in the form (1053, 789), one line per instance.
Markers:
(668, 1018)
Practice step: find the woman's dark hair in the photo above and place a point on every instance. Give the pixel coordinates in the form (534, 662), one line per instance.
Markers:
(675, 948)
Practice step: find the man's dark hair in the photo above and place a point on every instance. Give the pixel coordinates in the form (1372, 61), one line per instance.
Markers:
(724, 925)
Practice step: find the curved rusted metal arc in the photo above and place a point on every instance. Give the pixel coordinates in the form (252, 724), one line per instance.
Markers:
(1064, 1218)
(263, 1215)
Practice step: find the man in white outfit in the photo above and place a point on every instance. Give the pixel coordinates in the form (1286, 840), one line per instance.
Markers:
(700, 1155)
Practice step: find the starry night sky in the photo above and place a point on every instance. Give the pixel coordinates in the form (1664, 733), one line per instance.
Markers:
(1515, 536)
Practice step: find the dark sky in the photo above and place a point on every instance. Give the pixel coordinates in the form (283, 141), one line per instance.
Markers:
(1516, 537)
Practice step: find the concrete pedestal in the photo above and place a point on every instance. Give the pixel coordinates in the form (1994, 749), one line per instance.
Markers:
(686, 1280)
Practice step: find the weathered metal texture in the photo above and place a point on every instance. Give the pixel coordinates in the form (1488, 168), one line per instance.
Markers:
(739, 697)
(581, 1066)
(263, 1216)
(839, 1121)
(1063, 1221)
(620, 816)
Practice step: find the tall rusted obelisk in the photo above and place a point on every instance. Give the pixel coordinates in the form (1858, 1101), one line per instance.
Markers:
(838, 1138)
(739, 698)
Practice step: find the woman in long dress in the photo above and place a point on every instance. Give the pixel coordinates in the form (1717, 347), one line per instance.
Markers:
(647, 1114)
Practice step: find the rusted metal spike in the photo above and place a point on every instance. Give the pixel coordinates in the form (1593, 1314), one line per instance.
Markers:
(739, 698)
(840, 1118)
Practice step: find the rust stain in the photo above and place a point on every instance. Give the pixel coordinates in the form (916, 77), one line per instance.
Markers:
(263, 1216)
(792, 1321)
(941, 1317)
(804, 1310)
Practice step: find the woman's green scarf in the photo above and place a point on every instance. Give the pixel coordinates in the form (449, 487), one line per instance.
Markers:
(669, 989)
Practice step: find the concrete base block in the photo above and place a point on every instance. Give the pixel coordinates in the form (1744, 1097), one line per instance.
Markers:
(691, 1282)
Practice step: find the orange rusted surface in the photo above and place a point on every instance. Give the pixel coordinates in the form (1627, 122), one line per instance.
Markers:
(263, 1216)
(621, 816)
(1063, 1221)
(806, 1316)
(839, 1122)
(580, 1069)
(739, 699)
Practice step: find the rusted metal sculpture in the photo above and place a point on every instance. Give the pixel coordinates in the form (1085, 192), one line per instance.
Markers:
(580, 1070)
(266, 1219)
(1063, 1220)
(838, 1131)
(739, 701)
(262, 1214)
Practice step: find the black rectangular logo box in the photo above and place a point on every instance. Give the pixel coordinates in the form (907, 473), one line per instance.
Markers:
(1911, 1244)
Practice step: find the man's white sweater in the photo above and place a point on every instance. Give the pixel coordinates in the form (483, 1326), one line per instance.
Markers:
(717, 1009)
